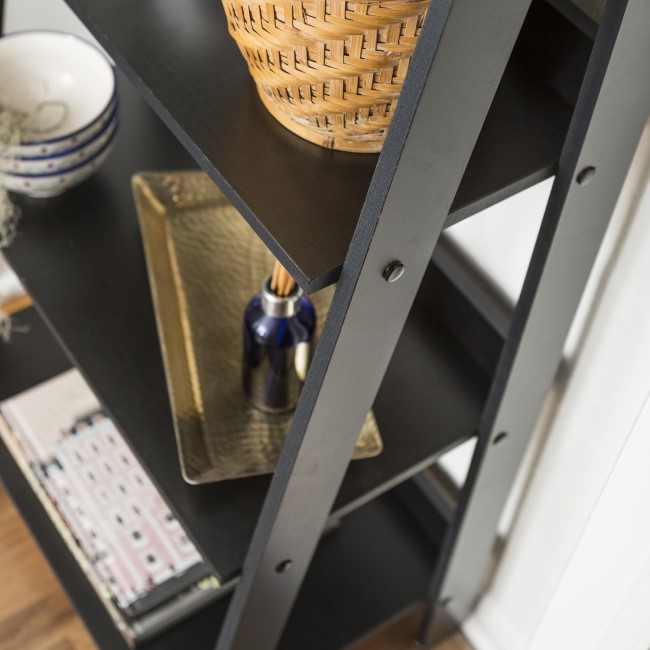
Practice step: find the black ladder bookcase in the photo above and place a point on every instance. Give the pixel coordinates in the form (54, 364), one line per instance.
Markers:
(500, 95)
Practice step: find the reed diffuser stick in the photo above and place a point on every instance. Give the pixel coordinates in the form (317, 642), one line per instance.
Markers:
(282, 284)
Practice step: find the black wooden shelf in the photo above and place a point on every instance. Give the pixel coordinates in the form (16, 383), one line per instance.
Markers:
(192, 103)
(326, 617)
(31, 357)
(68, 572)
(302, 200)
(81, 258)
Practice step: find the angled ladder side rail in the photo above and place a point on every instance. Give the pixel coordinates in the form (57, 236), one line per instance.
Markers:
(610, 115)
(459, 62)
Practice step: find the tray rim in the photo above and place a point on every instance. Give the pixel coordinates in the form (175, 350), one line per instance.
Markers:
(149, 201)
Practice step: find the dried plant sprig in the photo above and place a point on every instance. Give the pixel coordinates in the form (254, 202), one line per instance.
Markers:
(11, 122)
(9, 327)
(5, 327)
(54, 110)
(9, 217)
(14, 123)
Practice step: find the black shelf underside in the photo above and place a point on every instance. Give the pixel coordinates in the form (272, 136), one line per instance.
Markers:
(374, 566)
(302, 200)
(80, 256)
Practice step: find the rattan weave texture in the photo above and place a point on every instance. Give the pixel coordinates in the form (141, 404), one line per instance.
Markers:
(331, 71)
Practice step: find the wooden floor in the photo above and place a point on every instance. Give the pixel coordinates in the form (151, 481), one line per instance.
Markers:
(35, 613)
(400, 634)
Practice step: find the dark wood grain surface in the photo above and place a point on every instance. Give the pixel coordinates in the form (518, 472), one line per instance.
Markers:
(36, 615)
(371, 569)
(302, 200)
(80, 257)
(31, 356)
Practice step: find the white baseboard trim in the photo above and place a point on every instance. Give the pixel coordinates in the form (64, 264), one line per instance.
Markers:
(489, 629)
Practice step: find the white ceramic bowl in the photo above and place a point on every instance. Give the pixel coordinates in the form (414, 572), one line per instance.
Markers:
(65, 86)
(61, 162)
(48, 185)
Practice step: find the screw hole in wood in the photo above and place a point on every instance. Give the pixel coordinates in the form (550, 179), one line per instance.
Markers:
(586, 175)
(284, 566)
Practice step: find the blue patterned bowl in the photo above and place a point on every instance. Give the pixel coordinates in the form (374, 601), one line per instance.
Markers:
(53, 184)
(63, 161)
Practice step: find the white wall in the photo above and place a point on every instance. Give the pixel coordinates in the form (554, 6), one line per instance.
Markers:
(578, 555)
(43, 14)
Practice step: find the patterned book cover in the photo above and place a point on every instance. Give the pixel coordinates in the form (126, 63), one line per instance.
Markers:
(140, 556)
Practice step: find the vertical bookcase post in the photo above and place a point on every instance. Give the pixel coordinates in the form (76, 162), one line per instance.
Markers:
(454, 74)
(609, 118)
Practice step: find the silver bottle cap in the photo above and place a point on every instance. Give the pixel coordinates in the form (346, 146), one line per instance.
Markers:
(279, 307)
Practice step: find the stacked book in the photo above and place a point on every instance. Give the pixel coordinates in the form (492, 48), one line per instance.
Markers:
(135, 553)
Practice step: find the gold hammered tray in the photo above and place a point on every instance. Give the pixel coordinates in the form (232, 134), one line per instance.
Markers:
(205, 264)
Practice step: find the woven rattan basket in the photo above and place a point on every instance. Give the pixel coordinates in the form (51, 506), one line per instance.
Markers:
(331, 71)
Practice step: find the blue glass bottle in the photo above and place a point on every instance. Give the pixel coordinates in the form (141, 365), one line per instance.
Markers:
(278, 343)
